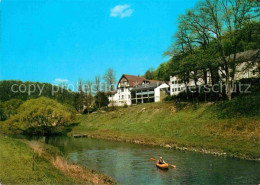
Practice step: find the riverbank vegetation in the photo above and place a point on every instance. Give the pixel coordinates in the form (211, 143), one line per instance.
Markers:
(37, 163)
(41, 116)
(223, 127)
(17, 166)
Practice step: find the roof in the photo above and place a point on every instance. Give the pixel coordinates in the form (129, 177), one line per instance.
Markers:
(147, 86)
(133, 80)
(154, 81)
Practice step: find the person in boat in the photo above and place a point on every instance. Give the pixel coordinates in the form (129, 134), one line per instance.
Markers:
(161, 161)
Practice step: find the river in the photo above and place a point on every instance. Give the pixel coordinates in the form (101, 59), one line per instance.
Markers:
(130, 163)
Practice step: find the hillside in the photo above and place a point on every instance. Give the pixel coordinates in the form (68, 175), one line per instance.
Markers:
(230, 127)
(15, 89)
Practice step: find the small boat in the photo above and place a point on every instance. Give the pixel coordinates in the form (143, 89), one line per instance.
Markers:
(164, 166)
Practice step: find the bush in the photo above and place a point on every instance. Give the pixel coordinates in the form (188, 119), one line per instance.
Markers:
(101, 100)
(238, 107)
(125, 105)
(242, 86)
(41, 116)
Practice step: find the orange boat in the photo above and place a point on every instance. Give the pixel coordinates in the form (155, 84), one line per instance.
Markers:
(164, 166)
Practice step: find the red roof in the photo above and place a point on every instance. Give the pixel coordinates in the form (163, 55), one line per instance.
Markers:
(136, 80)
(154, 81)
(133, 80)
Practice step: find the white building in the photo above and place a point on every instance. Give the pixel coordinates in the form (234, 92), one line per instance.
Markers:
(113, 98)
(128, 91)
(246, 67)
(176, 85)
(149, 92)
(124, 86)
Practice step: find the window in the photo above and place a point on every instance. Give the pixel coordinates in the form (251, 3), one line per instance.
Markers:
(179, 89)
(129, 97)
(173, 90)
(122, 96)
(176, 89)
(172, 82)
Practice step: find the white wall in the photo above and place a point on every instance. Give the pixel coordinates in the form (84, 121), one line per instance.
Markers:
(113, 100)
(124, 96)
(157, 94)
(175, 86)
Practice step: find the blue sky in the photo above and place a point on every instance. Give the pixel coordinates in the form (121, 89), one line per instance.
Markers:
(46, 40)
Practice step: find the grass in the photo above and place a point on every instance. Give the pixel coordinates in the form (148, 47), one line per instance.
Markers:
(16, 166)
(197, 127)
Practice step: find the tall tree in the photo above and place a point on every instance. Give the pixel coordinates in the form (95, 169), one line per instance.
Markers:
(88, 95)
(227, 15)
(110, 79)
(97, 83)
(79, 97)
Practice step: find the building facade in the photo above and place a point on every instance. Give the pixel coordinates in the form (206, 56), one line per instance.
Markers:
(135, 89)
(149, 92)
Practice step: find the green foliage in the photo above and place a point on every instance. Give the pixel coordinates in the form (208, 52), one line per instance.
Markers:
(16, 166)
(42, 116)
(2, 112)
(11, 107)
(150, 74)
(41, 89)
(205, 39)
(245, 106)
(101, 100)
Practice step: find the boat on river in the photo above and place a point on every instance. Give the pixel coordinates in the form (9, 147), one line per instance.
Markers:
(164, 166)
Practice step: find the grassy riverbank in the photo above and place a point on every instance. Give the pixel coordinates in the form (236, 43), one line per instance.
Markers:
(225, 127)
(17, 166)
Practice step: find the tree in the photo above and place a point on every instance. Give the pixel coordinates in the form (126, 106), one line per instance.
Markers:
(88, 96)
(42, 116)
(2, 112)
(150, 74)
(79, 97)
(98, 83)
(11, 106)
(110, 78)
(227, 15)
(101, 100)
(208, 40)
(9, 89)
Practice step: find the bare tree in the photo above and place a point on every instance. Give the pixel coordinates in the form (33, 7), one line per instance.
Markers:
(97, 83)
(110, 78)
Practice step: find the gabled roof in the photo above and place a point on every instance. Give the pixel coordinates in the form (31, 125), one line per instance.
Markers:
(133, 80)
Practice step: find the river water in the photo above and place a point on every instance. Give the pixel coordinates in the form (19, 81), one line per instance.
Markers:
(130, 163)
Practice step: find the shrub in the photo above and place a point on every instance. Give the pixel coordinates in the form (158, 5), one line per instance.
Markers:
(41, 116)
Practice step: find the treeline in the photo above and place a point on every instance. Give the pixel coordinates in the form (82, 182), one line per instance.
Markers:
(87, 97)
(92, 95)
(46, 109)
(209, 42)
(14, 89)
